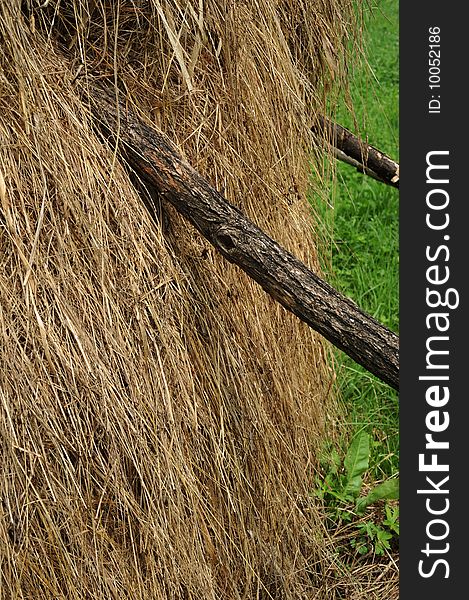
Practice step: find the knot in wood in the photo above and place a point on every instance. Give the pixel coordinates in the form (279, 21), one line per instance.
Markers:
(225, 240)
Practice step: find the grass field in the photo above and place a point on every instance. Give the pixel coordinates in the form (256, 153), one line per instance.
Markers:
(364, 258)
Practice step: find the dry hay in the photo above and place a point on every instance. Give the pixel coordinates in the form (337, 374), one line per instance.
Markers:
(159, 413)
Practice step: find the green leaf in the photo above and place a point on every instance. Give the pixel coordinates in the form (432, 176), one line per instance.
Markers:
(392, 518)
(356, 463)
(335, 461)
(382, 541)
(388, 490)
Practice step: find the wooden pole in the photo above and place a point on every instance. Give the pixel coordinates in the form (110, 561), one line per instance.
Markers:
(159, 163)
(350, 149)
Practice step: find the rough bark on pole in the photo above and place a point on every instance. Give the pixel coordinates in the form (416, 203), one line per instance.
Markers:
(362, 156)
(282, 276)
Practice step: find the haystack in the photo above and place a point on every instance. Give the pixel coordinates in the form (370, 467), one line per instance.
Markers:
(160, 415)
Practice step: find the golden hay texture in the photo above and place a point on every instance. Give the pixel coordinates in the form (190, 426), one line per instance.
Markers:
(159, 413)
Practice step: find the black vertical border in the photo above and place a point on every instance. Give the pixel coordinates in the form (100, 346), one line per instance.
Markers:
(420, 133)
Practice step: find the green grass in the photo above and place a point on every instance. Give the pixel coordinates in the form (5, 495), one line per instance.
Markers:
(364, 259)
